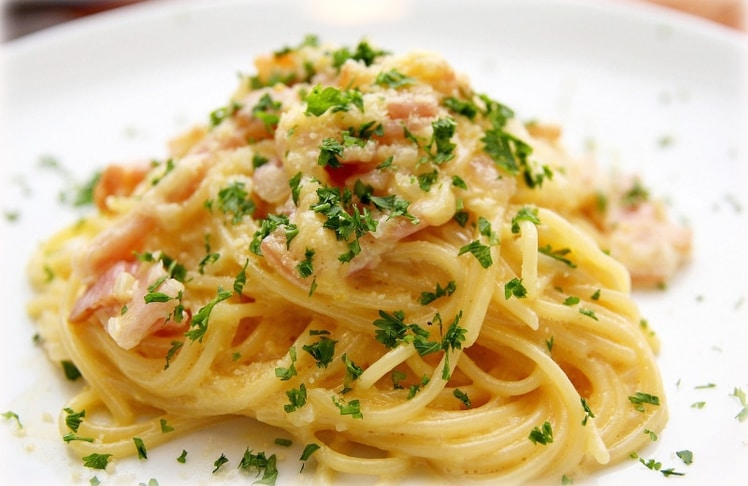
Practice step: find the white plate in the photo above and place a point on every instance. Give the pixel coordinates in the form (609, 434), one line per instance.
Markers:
(656, 93)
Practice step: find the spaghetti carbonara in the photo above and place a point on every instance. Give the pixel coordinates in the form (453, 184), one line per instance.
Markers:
(362, 250)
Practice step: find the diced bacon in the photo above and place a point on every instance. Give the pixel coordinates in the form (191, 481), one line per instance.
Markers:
(101, 294)
(647, 243)
(405, 105)
(276, 253)
(118, 180)
(271, 183)
(117, 301)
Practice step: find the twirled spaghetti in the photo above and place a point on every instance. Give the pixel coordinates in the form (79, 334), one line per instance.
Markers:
(362, 250)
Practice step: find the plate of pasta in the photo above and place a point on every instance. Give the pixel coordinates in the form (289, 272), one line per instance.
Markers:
(395, 242)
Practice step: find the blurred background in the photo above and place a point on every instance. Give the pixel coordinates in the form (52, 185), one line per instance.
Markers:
(22, 17)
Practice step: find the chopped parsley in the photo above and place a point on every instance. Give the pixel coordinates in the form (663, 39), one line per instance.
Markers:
(505, 150)
(264, 465)
(96, 461)
(259, 160)
(241, 279)
(740, 395)
(559, 255)
(481, 252)
(416, 387)
(391, 328)
(175, 346)
(686, 456)
(10, 415)
(515, 288)
(165, 427)
(266, 110)
(571, 300)
(352, 408)
(73, 419)
(286, 374)
(329, 153)
(549, 344)
(465, 108)
(140, 447)
(267, 226)
(462, 397)
(587, 411)
(309, 449)
(209, 258)
(427, 179)
(305, 268)
(322, 351)
(526, 213)
(542, 435)
(439, 148)
(654, 465)
(458, 182)
(219, 114)
(234, 199)
(453, 339)
(639, 399)
(182, 457)
(71, 371)
(428, 297)
(393, 79)
(84, 193)
(352, 372)
(320, 99)
(397, 376)
(72, 436)
(199, 324)
(283, 442)
(484, 228)
(443, 130)
(296, 399)
(295, 184)
(589, 313)
(218, 463)
(363, 53)
(349, 221)
(635, 196)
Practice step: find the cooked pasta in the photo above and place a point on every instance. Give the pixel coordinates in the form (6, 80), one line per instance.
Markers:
(362, 250)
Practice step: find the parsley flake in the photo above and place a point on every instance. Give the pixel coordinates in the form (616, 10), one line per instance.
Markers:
(515, 288)
(463, 397)
(481, 252)
(71, 371)
(428, 297)
(542, 435)
(199, 324)
(320, 99)
(296, 398)
(526, 213)
(322, 351)
(140, 447)
(639, 399)
(262, 464)
(73, 419)
(352, 408)
(182, 457)
(218, 463)
(96, 461)
(10, 415)
(393, 79)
